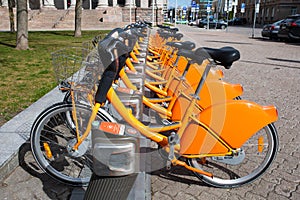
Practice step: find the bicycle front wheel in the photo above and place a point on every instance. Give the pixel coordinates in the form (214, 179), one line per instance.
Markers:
(52, 136)
(255, 157)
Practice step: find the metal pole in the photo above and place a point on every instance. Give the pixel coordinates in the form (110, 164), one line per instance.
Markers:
(207, 11)
(130, 12)
(65, 5)
(175, 13)
(153, 12)
(227, 18)
(254, 20)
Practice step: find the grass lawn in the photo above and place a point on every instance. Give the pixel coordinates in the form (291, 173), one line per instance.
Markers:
(28, 75)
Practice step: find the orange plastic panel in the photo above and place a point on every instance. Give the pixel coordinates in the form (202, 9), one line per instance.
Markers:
(197, 140)
(217, 91)
(180, 107)
(237, 120)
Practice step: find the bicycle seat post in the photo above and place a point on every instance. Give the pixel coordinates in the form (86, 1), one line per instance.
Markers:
(202, 81)
(186, 70)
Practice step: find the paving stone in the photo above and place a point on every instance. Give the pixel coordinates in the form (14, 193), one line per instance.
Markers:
(263, 188)
(183, 195)
(295, 195)
(159, 196)
(276, 196)
(286, 188)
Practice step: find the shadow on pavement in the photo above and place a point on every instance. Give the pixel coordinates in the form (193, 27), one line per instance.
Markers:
(52, 188)
(178, 174)
(287, 42)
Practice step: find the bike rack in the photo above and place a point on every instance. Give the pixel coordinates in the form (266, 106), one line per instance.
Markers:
(119, 166)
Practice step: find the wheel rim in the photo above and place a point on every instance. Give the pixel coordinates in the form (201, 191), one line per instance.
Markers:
(56, 129)
(254, 164)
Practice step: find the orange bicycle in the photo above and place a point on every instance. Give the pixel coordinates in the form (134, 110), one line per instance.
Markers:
(227, 144)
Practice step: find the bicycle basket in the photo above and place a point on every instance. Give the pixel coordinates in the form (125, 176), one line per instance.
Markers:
(77, 68)
(91, 44)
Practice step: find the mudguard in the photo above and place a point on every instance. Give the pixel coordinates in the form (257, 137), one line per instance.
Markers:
(225, 126)
(195, 72)
(213, 92)
(216, 91)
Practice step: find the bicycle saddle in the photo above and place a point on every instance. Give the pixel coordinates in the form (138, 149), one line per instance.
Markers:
(174, 30)
(191, 55)
(182, 45)
(224, 56)
(165, 35)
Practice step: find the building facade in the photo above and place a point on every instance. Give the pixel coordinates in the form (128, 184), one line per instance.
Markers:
(91, 4)
(269, 10)
(113, 10)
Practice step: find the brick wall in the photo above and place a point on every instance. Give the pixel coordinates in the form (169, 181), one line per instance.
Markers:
(142, 13)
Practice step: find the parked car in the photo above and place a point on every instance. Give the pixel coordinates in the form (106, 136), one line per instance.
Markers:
(213, 23)
(271, 30)
(194, 23)
(290, 28)
(181, 22)
(237, 21)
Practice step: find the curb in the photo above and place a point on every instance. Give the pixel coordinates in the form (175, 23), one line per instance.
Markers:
(16, 132)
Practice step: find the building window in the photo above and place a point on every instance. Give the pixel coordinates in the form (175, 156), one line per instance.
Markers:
(294, 10)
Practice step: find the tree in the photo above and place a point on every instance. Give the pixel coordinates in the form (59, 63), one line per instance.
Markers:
(11, 4)
(78, 14)
(22, 25)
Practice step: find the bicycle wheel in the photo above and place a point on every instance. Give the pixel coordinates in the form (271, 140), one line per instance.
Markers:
(52, 136)
(256, 156)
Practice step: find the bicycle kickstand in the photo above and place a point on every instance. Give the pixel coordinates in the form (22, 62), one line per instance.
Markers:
(173, 140)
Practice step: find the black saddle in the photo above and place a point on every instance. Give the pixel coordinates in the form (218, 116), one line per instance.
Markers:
(182, 45)
(224, 56)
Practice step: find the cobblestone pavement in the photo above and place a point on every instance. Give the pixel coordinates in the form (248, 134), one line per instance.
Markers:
(270, 74)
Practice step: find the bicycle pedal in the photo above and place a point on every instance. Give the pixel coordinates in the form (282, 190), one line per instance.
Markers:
(167, 122)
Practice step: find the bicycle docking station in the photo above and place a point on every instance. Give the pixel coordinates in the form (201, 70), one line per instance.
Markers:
(120, 151)
(115, 162)
(119, 169)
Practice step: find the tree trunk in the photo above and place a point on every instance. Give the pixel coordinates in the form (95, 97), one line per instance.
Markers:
(78, 14)
(22, 25)
(11, 4)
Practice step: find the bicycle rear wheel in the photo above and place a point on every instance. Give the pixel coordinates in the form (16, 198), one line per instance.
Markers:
(256, 156)
(52, 136)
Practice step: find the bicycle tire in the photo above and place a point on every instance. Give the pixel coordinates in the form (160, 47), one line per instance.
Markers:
(229, 175)
(55, 127)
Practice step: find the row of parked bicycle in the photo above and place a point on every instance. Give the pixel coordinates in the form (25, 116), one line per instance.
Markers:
(287, 29)
(143, 82)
